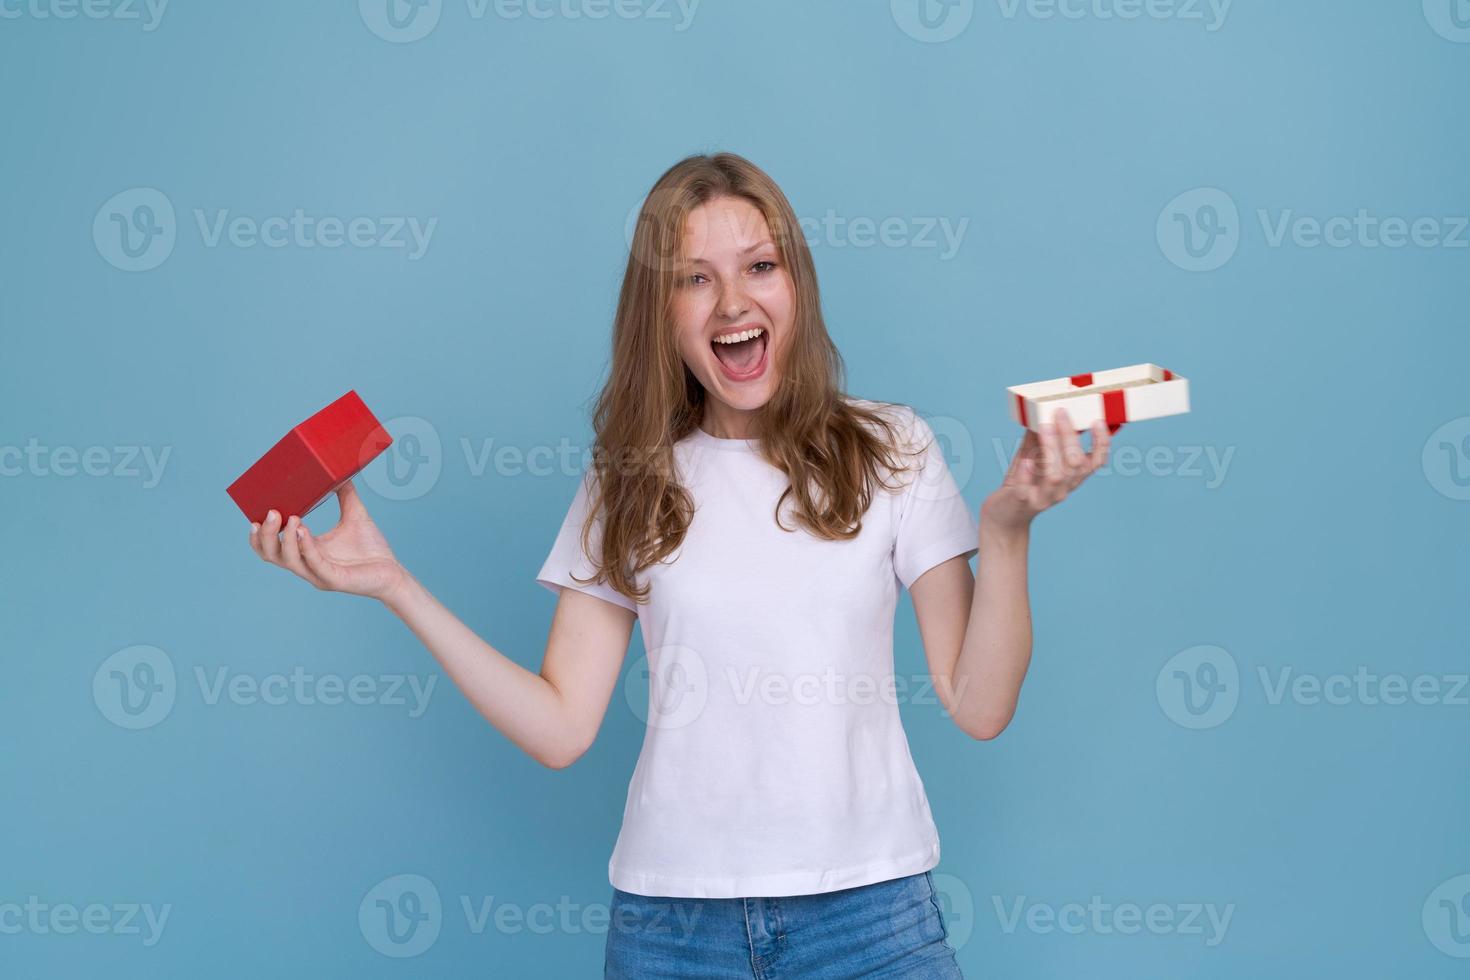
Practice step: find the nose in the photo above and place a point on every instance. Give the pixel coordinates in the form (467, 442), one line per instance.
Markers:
(733, 301)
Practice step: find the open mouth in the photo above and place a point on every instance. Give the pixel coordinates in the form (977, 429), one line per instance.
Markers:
(742, 355)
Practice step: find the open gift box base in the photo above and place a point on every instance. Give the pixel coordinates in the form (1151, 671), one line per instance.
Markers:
(1127, 394)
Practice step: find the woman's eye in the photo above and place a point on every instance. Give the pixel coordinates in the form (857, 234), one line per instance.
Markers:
(691, 280)
(765, 262)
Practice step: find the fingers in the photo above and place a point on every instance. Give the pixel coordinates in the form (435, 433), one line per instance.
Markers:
(1023, 463)
(1073, 457)
(269, 542)
(1049, 460)
(1061, 451)
(1102, 445)
(317, 563)
(1052, 462)
(291, 551)
(1065, 464)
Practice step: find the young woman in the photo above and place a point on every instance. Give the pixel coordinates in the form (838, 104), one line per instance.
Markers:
(759, 524)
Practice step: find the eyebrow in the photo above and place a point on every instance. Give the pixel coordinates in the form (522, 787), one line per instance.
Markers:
(744, 251)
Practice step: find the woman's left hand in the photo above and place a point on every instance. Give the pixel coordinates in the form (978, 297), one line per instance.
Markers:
(1047, 468)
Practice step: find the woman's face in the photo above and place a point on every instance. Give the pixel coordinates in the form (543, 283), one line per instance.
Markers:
(732, 283)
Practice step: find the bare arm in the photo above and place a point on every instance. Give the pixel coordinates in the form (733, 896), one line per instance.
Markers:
(977, 639)
(553, 716)
(977, 633)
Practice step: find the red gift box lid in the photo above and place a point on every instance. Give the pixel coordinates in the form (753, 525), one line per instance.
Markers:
(311, 461)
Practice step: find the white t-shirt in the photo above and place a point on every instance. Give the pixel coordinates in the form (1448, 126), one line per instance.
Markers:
(774, 761)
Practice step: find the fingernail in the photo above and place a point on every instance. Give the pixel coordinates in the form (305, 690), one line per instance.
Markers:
(300, 531)
(254, 527)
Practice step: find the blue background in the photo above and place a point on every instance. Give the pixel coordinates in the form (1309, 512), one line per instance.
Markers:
(1333, 541)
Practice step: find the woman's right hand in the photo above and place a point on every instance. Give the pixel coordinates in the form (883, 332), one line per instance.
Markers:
(352, 557)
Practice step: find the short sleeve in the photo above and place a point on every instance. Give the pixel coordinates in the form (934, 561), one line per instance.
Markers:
(567, 557)
(934, 522)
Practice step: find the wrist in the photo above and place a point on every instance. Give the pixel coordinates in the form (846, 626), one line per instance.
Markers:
(399, 592)
(1000, 529)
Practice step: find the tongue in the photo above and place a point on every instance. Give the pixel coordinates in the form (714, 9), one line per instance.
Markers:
(741, 357)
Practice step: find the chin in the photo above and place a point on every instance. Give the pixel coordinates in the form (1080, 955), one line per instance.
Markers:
(743, 401)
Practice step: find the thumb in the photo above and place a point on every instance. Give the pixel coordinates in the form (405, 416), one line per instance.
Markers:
(349, 502)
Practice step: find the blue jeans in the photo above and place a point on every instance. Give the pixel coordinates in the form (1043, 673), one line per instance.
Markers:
(886, 929)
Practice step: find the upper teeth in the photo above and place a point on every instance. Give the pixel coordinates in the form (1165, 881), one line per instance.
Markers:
(735, 338)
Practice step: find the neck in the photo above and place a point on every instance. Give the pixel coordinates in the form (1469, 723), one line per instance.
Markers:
(724, 422)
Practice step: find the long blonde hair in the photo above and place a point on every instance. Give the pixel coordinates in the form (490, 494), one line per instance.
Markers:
(828, 447)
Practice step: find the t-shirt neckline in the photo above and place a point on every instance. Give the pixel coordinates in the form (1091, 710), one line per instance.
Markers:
(703, 438)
